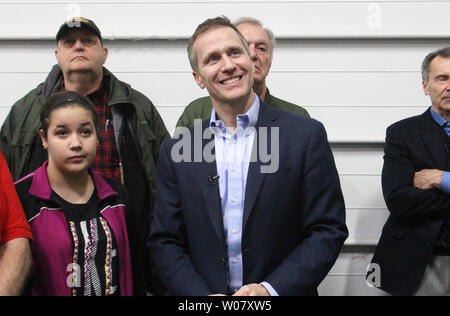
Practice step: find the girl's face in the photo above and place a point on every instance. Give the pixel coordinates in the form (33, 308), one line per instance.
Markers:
(71, 139)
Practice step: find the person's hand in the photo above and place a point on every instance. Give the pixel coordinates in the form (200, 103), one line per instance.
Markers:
(428, 179)
(252, 290)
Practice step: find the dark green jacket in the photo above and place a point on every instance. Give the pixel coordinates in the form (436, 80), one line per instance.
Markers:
(20, 129)
(202, 107)
(139, 133)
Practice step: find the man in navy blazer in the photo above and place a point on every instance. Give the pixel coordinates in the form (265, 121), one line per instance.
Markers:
(230, 217)
(413, 254)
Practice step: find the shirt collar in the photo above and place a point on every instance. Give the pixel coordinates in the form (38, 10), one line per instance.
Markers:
(248, 119)
(438, 118)
(41, 187)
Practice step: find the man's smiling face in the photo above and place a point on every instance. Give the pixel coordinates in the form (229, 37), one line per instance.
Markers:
(224, 67)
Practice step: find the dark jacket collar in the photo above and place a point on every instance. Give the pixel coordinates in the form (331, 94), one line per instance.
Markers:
(431, 136)
(119, 91)
(427, 121)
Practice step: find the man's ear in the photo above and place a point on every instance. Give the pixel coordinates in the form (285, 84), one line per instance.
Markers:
(270, 66)
(57, 57)
(105, 54)
(425, 89)
(43, 139)
(198, 78)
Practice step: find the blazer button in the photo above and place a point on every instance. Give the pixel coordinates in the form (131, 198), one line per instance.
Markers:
(224, 261)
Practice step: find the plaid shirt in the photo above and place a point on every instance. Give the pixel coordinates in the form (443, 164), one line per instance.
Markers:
(107, 161)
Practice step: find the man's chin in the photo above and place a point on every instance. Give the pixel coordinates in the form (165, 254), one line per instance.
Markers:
(80, 71)
(443, 109)
(83, 74)
(237, 100)
(258, 80)
(445, 104)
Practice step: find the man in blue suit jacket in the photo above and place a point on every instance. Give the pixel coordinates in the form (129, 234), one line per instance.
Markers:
(229, 218)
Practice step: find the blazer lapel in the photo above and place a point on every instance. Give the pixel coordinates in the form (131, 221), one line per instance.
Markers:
(433, 141)
(255, 178)
(210, 190)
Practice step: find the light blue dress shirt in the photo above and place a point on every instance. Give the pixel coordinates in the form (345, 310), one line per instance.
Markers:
(233, 153)
(445, 185)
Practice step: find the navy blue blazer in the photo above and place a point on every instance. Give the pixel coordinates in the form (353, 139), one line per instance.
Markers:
(293, 223)
(406, 245)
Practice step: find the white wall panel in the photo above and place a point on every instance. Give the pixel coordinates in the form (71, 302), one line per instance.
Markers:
(3, 113)
(324, 89)
(170, 116)
(357, 160)
(362, 191)
(353, 260)
(347, 277)
(343, 124)
(294, 55)
(177, 19)
(349, 285)
(358, 124)
(365, 226)
(376, 79)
